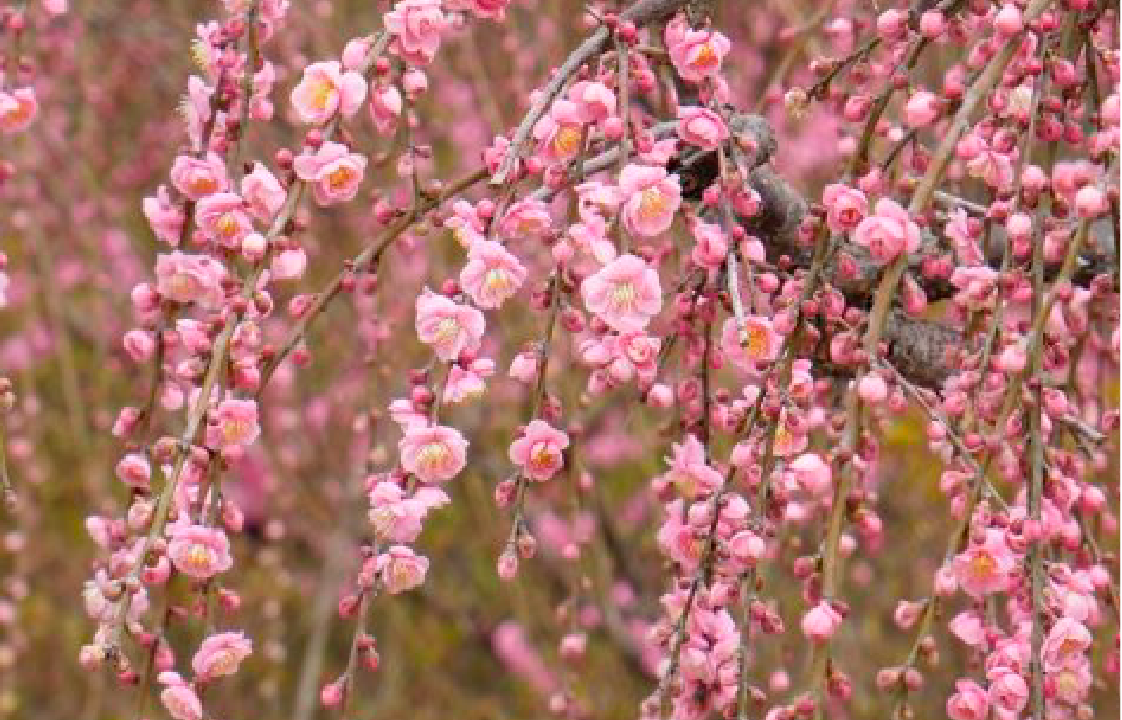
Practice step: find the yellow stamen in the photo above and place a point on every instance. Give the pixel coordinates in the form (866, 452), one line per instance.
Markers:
(567, 140)
(652, 203)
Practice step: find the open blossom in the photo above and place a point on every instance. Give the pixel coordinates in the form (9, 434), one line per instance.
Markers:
(969, 702)
(492, 275)
(326, 89)
(448, 327)
(696, 54)
(559, 132)
(528, 218)
(435, 454)
(222, 216)
(220, 655)
(198, 177)
(468, 383)
(538, 450)
(701, 127)
(651, 197)
(887, 233)
(18, 109)
(401, 569)
(198, 551)
(756, 343)
(812, 473)
(1008, 692)
(190, 278)
(263, 193)
(179, 699)
(398, 518)
(594, 100)
(625, 293)
(689, 472)
(233, 423)
(334, 171)
(416, 26)
(821, 622)
(846, 207)
(985, 567)
(1065, 644)
(165, 218)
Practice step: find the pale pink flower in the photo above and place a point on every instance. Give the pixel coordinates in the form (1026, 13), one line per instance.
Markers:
(969, 628)
(232, 424)
(397, 518)
(289, 264)
(334, 171)
(385, 107)
(401, 569)
(812, 473)
(1065, 644)
(524, 367)
(651, 197)
(492, 275)
(689, 472)
(888, 233)
(326, 89)
(846, 207)
(190, 278)
(1009, 692)
(625, 293)
(134, 471)
(528, 218)
(198, 177)
(992, 167)
(757, 343)
(263, 193)
(222, 216)
(559, 132)
(165, 218)
(696, 54)
(1071, 683)
(448, 327)
(18, 109)
(198, 551)
(539, 450)
(985, 567)
(467, 383)
(416, 26)
(922, 109)
(790, 436)
(595, 101)
(821, 622)
(179, 699)
(702, 127)
(969, 702)
(435, 454)
(220, 655)
(139, 344)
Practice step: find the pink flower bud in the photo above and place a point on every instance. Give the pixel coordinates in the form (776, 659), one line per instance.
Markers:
(1008, 21)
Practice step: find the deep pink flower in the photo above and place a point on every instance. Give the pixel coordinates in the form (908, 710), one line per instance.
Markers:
(18, 109)
(559, 132)
(198, 177)
(528, 218)
(134, 471)
(220, 655)
(1009, 692)
(416, 26)
(539, 450)
(385, 107)
(198, 551)
(701, 126)
(888, 233)
(190, 278)
(846, 207)
(812, 473)
(448, 327)
(492, 275)
(969, 702)
(922, 109)
(821, 622)
(625, 293)
(401, 569)
(326, 89)
(712, 246)
(435, 454)
(334, 171)
(651, 197)
(595, 101)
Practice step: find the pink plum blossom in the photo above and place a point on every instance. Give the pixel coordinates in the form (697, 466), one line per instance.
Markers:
(625, 293)
(435, 454)
(401, 569)
(492, 275)
(334, 171)
(326, 89)
(220, 655)
(198, 551)
(701, 127)
(416, 27)
(539, 450)
(888, 232)
(651, 197)
(448, 327)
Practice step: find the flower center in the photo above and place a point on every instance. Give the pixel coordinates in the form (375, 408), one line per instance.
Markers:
(234, 431)
(541, 456)
(446, 331)
(227, 225)
(755, 342)
(182, 286)
(339, 177)
(567, 140)
(224, 663)
(496, 281)
(983, 566)
(199, 557)
(706, 57)
(322, 94)
(622, 297)
(432, 456)
(652, 203)
(203, 185)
